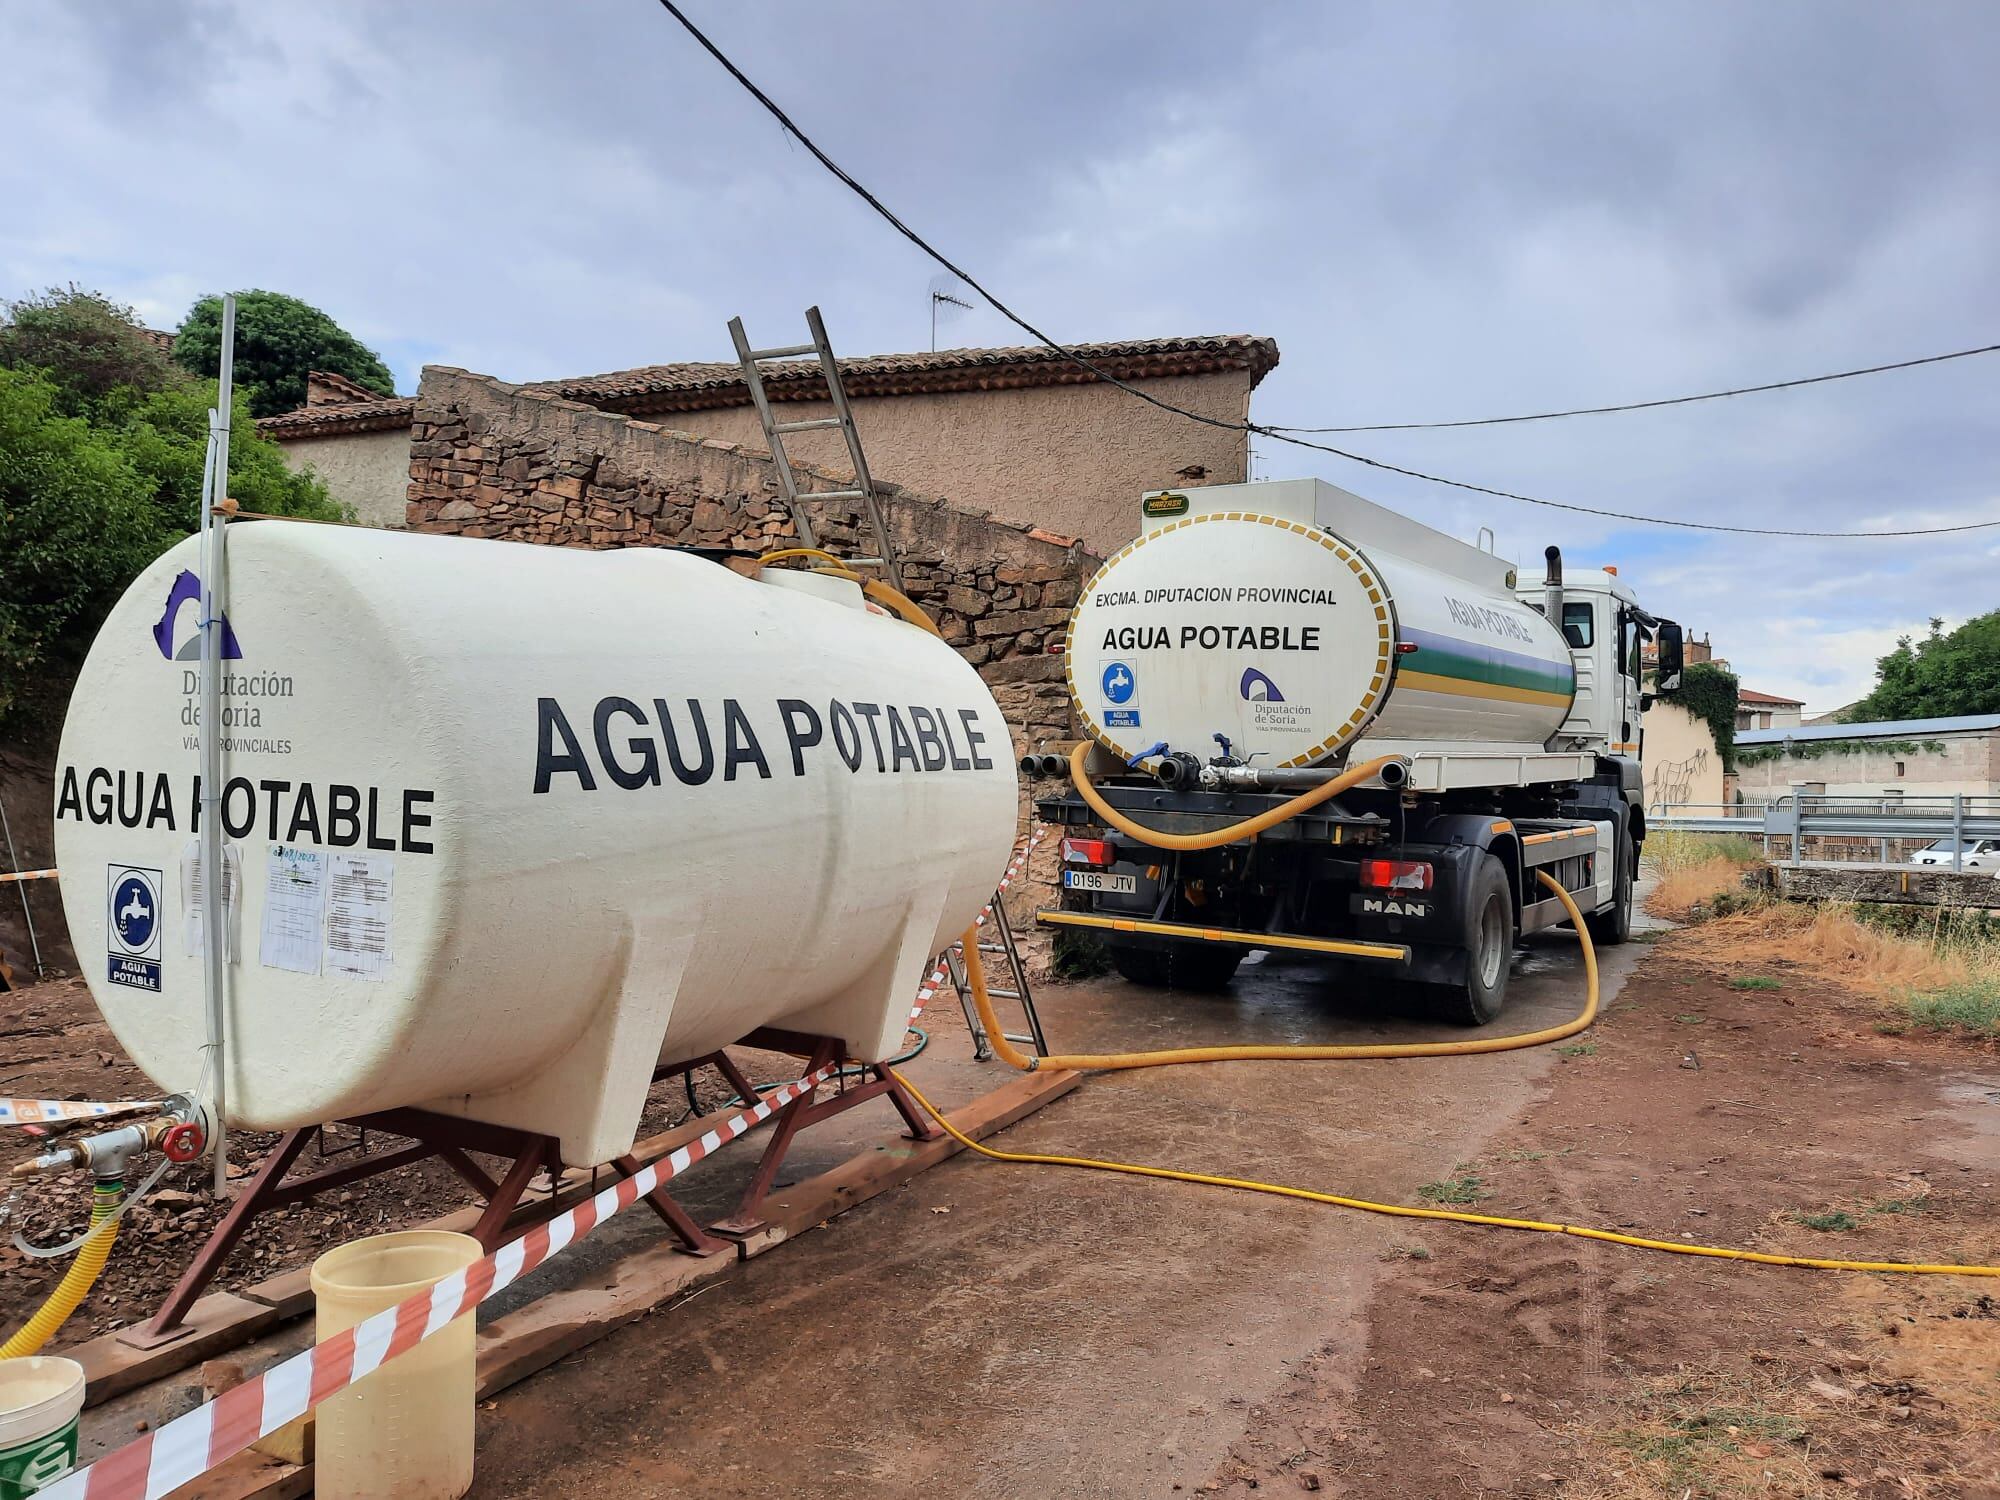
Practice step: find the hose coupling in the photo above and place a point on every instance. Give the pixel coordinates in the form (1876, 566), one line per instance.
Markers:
(182, 1130)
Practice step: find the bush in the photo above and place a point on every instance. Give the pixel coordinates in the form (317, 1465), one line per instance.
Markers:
(279, 339)
(88, 345)
(166, 436)
(77, 521)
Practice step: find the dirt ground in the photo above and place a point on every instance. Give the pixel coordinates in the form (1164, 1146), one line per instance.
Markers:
(997, 1331)
(55, 1045)
(1002, 1331)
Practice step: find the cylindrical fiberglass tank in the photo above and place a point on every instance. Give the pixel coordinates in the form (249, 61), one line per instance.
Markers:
(1291, 641)
(508, 823)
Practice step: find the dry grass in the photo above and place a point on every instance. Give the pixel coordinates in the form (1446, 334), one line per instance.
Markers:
(1943, 975)
(1692, 869)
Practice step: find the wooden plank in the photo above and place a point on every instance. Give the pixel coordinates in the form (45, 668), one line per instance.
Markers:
(221, 1320)
(249, 1476)
(531, 1338)
(557, 1324)
(860, 1178)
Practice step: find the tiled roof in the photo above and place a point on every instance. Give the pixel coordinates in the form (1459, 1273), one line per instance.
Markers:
(159, 338)
(696, 387)
(1751, 695)
(378, 414)
(328, 388)
(704, 386)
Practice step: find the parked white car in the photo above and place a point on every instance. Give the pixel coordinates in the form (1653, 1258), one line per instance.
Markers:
(1974, 854)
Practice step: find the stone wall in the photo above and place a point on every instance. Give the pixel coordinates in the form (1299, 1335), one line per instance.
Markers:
(492, 460)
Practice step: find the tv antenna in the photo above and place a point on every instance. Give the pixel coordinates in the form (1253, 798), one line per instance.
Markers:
(945, 292)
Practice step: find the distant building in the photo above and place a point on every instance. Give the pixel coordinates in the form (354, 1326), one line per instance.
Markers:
(1755, 710)
(1022, 433)
(1896, 758)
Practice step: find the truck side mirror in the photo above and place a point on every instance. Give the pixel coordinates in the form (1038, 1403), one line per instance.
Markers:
(1668, 677)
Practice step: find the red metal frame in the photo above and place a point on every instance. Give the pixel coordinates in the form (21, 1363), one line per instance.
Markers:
(818, 1052)
(450, 1138)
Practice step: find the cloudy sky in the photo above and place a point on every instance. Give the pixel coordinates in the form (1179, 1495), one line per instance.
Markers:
(1438, 210)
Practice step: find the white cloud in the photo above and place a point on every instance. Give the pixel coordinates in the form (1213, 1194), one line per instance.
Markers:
(1438, 213)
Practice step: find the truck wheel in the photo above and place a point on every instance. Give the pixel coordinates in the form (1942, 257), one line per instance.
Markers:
(1476, 999)
(1176, 966)
(1613, 925)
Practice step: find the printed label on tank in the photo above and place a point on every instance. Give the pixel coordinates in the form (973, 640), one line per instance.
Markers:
(705, 742)
(133, 925)
(1267, 632)
(1269, 708)
(246, 696)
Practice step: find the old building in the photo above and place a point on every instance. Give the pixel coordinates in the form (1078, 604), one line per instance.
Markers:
(1899, 758)
(1755, 710)
(487, 459)
(1023, 433)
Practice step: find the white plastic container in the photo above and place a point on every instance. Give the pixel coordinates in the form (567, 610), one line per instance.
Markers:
(404, 1431)
(40, 1396)
(475, 874)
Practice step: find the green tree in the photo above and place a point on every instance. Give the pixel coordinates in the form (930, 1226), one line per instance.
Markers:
(89, 346)
(278, 340)
(77, 521)
(1944, 674)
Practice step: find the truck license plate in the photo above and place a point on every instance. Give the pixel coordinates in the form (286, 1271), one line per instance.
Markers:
(1099, 880)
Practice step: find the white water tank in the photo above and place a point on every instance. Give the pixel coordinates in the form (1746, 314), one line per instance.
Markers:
(1294, 619)
(508, 824)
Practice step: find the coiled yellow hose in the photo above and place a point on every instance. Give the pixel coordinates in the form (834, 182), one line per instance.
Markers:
(77, 1281)
(976, 976)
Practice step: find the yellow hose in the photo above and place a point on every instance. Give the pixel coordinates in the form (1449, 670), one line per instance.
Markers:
(1335, 1200)
(1401, 1211)
(874, 588)
(975, 974)
(1248, 828)
(77, 1281)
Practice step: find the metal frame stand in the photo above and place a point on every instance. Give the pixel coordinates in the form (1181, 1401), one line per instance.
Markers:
(817, 1052)
(449, 1139)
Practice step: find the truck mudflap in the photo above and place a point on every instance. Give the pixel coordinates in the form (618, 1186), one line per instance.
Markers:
(1396, 953)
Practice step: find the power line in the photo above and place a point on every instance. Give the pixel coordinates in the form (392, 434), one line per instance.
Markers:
(855, 186)
(1599, 411)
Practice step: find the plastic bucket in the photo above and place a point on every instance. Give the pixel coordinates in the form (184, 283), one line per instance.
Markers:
(39, 1399)
(405, 1431)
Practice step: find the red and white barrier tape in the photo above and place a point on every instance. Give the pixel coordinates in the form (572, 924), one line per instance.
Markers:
(188, 1446)
(44, 1111)
(28, 875)
(934, 981)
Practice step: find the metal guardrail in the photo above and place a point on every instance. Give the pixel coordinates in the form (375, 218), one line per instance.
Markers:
(1958, 817)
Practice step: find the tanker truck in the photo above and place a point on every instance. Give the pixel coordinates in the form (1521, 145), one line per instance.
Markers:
(1257, 644)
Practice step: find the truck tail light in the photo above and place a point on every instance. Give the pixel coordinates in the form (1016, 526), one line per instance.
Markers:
(1096, 852)
(1396, 874)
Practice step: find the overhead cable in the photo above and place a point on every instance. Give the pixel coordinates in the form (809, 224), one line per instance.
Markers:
(848, 180)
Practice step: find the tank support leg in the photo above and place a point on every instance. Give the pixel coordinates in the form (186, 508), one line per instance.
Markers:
(818, 1052)
(694, 1239)
(165, 1325)
(427, 1135)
